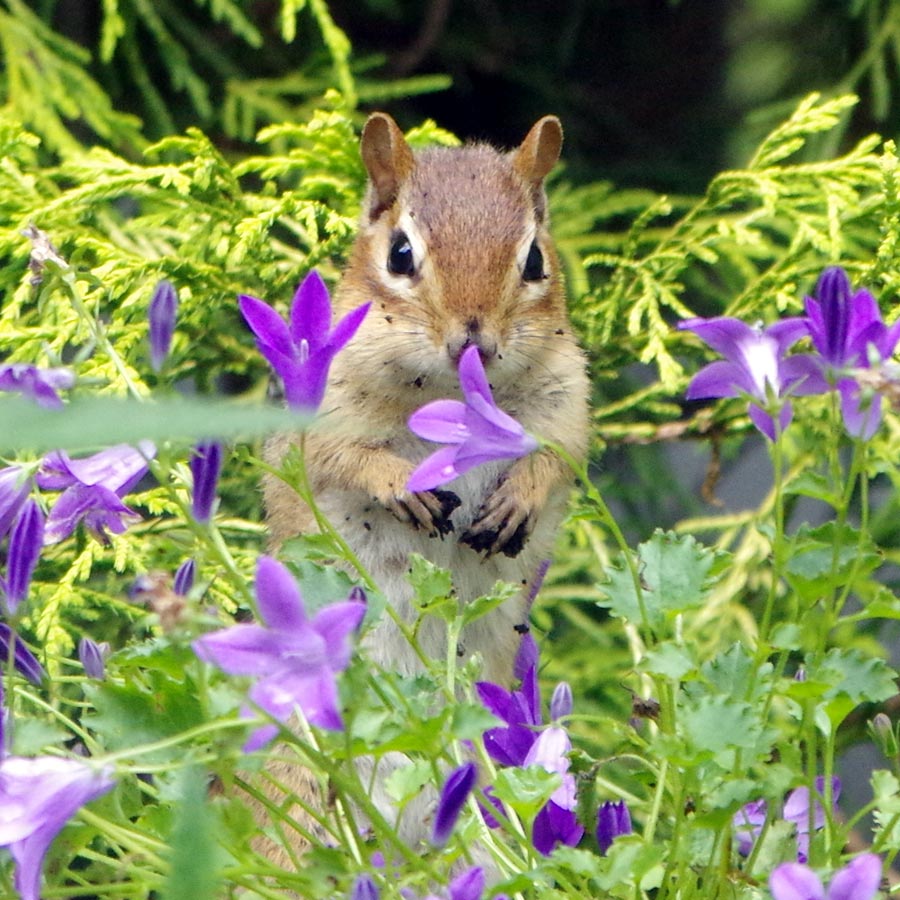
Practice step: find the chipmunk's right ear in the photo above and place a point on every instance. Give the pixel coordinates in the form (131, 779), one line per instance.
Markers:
(388, 160)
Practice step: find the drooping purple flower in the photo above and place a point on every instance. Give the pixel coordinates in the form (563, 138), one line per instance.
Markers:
(613, 820)
(301, 350)
(14, 489)
(161, 314)
(206, 463)
(293, 658)
(184, 578)
(25, 542)
(556, 822)
(748, 822)
(755, 366)
(38, 796)
(454, 794)
(364, 888)
(93, 657)
(92, 489)
(24, 659)
(40, 385)
(797, 810)
(858, 880)
(843, 327)
(475, 430)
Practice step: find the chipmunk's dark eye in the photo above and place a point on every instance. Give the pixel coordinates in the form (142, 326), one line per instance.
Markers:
(400, 257)
(534, 264)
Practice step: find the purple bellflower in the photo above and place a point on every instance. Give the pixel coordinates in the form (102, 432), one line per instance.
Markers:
(14, 490)
(40, 385)
(301, 350)
(613, 820)
(92, 489)
(843, 327)
(24, 659)
(749, 819)
(454, 794)
(162, 312)
(797, 810)
(206, 463)
(475, 431)
(38, 796)
(858, 880)
(293, 658)
(25, 542)
(755, 366)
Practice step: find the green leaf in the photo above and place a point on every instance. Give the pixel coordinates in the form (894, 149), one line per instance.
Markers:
(470, 721)
(195, 859)
(716, 723)
(480, 606)
(407, 781)
(856, 676)
(433, 588)
(675, 575)
(126, 716)
(670, 660)
(526, 790)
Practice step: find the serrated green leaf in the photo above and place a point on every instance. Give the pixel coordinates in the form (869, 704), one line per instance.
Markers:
(669, 660)
(526, 790)
(675, 573)
(433, 588)
(716, 723)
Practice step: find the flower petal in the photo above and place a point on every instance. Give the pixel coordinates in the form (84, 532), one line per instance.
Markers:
(347, 327)
(278, 596)
(434, 470)
(858, 880)
(311, 312)
(442, 420)
(335, 623)
(270, 329)
(453, 796)
(472, 379)
(795, 881)
(241, 650)
(719, 379)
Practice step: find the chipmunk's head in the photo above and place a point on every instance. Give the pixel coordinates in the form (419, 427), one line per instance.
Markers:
(454, 250)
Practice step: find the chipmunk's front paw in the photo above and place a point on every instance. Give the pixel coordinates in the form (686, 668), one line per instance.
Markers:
(503, 524)
(428, 510)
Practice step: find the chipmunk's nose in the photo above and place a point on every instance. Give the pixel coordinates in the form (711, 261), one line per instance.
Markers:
(468, 334)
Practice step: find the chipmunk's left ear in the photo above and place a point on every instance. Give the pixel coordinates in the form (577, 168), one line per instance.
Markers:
(537, 155)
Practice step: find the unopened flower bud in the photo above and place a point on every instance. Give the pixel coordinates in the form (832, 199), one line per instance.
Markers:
(613, 820)
(184, 578)
(561, 701)
(454, 794)
(163, 308)
(93, 656)
(205, 467)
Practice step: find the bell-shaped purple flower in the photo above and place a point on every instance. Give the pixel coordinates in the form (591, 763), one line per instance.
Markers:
(475, 430)
(184, 578)
(25, 662)
(301, 350)
(468, 885)
(40, 385)
(14, 490)
(755, 366)
(93, 657)
(797, 810)
(520, 710)
(92, 489)
(748, 822)
(294, 658)
(25, 542)
(858, 880)
(613, 820)
(454, 794)
(161, 314)
(38, 796)
(206, 464)
(844, 327)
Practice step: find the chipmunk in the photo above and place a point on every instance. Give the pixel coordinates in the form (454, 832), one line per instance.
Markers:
(453, 250)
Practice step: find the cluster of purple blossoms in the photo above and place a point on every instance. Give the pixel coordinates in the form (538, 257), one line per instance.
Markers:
(847, 334)
(805, 815)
